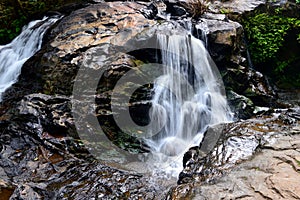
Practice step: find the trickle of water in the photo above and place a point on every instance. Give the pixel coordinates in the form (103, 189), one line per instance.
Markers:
(203, 32)
(188, 97)
(15, 54)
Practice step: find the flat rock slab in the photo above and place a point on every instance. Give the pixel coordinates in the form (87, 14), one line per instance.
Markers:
(273, 173)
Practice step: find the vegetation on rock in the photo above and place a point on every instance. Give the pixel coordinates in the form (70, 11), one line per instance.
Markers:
(268, 34)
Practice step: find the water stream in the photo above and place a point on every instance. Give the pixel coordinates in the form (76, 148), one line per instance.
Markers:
(188, 97)
(16, 53)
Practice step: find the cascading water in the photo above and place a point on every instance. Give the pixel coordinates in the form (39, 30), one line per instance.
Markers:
(187, 99)
(15, 54)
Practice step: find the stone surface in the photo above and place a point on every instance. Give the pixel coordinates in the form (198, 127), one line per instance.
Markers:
(53, 69)
(242, 107)
(272, 174)
(271, 171)
(41, 158)
(224, 39)
(226, 145)
(252, 84)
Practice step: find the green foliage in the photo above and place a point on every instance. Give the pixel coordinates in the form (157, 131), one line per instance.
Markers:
(225, 10)
(297, 1)
(266, 34)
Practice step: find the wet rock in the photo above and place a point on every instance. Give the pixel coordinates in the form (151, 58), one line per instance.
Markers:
(181, 192)
(237, 142)
(251, 84)
(53, 69)
(151, 11)
(259, 90)
(51, 113)
(242, 106)
(273, 173)
(35, 163)
(224, 39)
(175, 8)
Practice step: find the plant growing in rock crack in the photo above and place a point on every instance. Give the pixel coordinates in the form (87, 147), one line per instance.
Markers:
(196, 7)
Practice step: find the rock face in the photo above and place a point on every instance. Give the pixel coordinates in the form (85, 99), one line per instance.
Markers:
(42, 159)
(53, 69)
(272, 174)
(224, 39)
(229, 144)
(269, 144)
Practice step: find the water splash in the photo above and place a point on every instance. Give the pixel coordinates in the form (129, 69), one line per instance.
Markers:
(188, 97)
(16, 53)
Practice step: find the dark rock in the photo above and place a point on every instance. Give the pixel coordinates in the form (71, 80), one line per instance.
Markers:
(251, 84)
(175, 10)
(150, 12)
(259, 90)
(224, 40)
(242, 106)
(52, 113)
(39, 160)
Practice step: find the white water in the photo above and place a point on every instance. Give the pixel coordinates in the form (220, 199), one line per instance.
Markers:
(187, 99)
(15, 54)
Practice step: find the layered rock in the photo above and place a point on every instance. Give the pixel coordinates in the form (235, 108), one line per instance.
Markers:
(269, 143)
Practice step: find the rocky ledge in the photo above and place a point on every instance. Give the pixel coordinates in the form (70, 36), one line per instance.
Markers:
(254, 159)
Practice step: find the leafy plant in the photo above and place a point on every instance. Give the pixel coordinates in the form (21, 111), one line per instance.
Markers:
(266, 34)
(197, 7)
(225, 10)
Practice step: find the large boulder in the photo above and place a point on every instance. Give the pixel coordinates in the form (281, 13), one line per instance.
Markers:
(250, 157)
(225, 145)
(252, 84)
(224, 39)
(53, 69)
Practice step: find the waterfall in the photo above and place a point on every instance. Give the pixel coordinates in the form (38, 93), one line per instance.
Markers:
(15, 54)
(204, 30)
(188, 97)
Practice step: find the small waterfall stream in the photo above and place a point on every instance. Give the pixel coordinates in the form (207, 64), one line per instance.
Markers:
(15, 54)
(188, 97)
